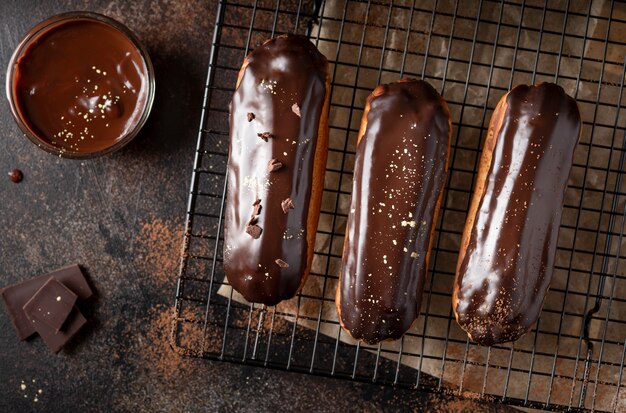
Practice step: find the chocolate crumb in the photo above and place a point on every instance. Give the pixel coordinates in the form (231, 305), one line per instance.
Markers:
(287, 204)
(253, 220)
(265, 136)
(254, 231)
(274, 165)
(281, 263)
(16, 176)
(251, 116)
(296, 109)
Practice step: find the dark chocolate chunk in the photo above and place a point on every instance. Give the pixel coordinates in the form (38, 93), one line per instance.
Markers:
(265, 136)
(51, 304)
(274, 165)
(281, 263)
(296, 109)
(15, 296)
(16, 176)
(254, 231)
(287, 204)
(250, 116)
(56, 340)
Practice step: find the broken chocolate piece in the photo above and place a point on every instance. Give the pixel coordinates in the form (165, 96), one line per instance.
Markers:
(51, 304)
(56, 340)
(274, 165)
(15, 296)
(254, 231)
(251, 116)
(281, 263)
(287, 204)
(296, 109)
(265, 136)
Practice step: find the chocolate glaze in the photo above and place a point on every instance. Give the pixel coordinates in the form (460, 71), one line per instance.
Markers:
(399, 174)
(505, 270)
(81, 86)
(284, 71)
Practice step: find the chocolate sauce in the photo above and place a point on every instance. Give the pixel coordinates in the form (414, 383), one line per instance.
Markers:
(284, 71)
(81, 86)
(504, 273)
(399, 174)
(16, 176)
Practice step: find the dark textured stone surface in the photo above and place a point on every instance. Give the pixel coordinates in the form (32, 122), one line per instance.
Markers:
(121, 218)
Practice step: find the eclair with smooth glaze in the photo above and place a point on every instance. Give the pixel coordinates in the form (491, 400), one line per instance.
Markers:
(278, 150)
(509, 243)
(400, 170)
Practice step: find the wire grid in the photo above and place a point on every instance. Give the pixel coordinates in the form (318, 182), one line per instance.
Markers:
(472, 53)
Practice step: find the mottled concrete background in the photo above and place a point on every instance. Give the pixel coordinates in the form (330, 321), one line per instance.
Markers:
(121, 218)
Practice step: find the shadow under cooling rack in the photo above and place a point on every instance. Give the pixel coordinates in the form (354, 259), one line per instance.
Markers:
(473, 53)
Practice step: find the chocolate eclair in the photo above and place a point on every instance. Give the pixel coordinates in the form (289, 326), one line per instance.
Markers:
(509, 243)
(400, 170)
(278, 150)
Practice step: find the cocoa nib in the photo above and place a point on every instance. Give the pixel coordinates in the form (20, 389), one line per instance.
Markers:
(274, 165)
(265, 136)
(296, 109)
(281, 263)
(251, 116)
(287, 204)
(257, 208)
(251, 228)
(254, 231)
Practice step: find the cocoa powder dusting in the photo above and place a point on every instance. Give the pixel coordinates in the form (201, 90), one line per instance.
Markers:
(280, 328)
(156, 351)
(157, 250)
(152, 345)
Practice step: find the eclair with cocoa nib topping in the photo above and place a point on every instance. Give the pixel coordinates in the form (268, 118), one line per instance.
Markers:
(278, 150)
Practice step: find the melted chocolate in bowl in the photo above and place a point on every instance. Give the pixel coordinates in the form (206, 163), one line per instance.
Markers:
(81, 86)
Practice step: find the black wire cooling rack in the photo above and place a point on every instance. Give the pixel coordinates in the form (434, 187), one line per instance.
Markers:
(472, 52)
